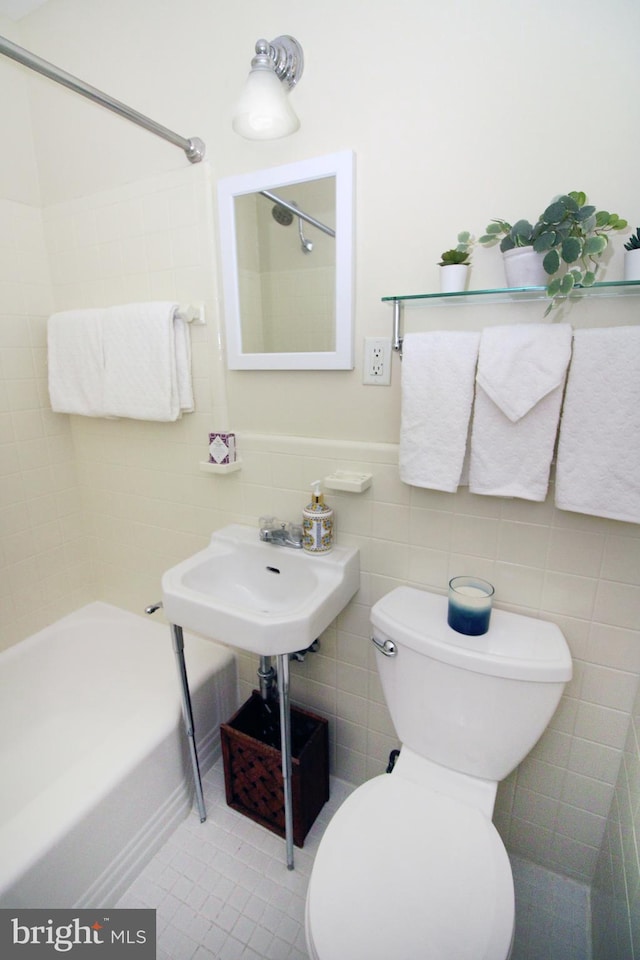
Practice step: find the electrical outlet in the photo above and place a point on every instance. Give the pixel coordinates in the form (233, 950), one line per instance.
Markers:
(377, 361)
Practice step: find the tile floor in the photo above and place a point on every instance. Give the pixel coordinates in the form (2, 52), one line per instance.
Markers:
(553, 915)
(222, 892)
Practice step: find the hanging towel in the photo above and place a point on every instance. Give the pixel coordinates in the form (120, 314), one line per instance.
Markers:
(142, 378)
(76, 362)
(598, 470)
(126, 361)
(438, 370)
(183, 364)
(521, 375)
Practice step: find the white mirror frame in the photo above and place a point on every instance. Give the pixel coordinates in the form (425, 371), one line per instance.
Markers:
(341, 165)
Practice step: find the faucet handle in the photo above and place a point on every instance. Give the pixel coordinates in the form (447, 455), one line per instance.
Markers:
(268, 523)
(295, 532)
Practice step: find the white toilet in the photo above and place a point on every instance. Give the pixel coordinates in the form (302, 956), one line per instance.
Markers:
(411, 866)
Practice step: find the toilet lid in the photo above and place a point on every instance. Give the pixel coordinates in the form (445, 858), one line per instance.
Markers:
(403, 873)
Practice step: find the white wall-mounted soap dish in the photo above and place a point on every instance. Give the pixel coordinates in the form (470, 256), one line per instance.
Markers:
(348, 482)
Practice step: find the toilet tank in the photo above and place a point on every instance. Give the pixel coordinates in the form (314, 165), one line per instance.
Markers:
(473, 704)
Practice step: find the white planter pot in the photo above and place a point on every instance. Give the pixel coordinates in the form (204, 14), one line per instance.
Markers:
(453, 277)
(632, 265)
(523, 268)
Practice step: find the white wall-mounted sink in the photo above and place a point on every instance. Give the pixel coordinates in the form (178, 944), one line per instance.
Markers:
(257, 596)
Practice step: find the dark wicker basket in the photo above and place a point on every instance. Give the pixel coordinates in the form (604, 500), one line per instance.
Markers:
(253, 766)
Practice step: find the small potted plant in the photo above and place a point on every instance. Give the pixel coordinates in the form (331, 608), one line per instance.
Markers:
(569, 237)
(455, 265)
(632, 256)
(522, 263)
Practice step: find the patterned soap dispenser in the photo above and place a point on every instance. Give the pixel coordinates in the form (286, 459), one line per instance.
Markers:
(317, 523)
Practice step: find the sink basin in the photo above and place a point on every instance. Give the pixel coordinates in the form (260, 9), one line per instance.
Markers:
(257, 596)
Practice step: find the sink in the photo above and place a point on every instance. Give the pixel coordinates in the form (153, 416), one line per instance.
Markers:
(257, 596)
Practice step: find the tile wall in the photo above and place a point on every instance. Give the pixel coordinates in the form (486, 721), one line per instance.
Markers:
(615, 894)
(149, 240)
(45, 561)
(147, 506)
(299, 309)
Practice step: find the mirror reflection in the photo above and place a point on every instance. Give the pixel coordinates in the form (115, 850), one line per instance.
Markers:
(286, 267)
(286, 237)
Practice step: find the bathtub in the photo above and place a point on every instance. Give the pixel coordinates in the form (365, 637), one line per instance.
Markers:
(94, 763)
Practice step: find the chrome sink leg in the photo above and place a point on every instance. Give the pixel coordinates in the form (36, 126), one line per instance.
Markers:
(285, 749)
(178, 649)
(266, 677)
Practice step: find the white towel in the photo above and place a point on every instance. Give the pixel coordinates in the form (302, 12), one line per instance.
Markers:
(521, 375)
(141, 370)
(183, 364)
(598, 470)
(438, 370)
(76, 362)
(126, 361)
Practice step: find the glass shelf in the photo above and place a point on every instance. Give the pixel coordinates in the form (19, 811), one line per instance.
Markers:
(608, 288)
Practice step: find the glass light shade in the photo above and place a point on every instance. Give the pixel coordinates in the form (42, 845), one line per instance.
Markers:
(263, 111)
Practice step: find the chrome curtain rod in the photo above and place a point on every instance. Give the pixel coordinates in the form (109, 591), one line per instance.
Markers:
(193, 148)
(291, 207)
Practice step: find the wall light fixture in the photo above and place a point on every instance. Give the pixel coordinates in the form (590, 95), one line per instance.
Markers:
(263, 112)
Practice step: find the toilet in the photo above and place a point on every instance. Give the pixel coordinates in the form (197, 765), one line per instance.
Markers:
(411, 866)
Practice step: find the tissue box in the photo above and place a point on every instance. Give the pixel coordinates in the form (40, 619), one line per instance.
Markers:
(222, 448)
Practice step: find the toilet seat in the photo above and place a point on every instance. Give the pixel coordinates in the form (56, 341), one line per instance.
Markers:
(406, 873)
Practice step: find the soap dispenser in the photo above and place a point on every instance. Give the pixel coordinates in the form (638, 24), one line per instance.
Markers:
(317, 523)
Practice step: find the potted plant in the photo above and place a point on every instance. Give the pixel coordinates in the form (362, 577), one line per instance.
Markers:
(570, 236)
(455, 265)
(522, 263)
(573, 237)
(632, 256)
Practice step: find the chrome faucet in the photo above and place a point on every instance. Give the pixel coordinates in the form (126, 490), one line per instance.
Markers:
(281, 534)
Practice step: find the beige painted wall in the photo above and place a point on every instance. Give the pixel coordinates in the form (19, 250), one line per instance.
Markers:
(119, 210)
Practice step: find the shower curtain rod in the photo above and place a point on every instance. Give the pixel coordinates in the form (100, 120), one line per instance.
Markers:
(193, 148)
(291, 207)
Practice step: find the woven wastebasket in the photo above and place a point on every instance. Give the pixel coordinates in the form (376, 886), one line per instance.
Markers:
(253, 766)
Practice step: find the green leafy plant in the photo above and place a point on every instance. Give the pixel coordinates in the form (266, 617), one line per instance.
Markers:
(573, 238)
(633, 243)
(570, 234)
(519, 234)
(460, 254)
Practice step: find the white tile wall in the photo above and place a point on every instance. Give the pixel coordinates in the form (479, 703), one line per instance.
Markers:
(615, 896)
(45, 562)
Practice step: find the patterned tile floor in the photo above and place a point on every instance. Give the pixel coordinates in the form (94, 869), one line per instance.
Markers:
(221, 888)
(222, 891)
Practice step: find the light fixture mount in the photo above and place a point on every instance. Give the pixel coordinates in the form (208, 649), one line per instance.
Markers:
(283, 55)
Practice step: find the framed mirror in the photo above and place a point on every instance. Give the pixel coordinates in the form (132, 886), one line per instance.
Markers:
(286, 239)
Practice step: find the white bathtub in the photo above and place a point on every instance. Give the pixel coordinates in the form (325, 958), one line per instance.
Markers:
(94, 765)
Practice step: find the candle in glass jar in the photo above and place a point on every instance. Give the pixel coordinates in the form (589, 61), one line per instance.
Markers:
(469, 609)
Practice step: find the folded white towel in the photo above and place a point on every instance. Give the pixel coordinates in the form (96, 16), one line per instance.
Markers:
(598, 470)
(521, 374)
(519, 365)
(76, 362)
(438, 370)
(126, 361)
(183, 364)
(141, 373)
